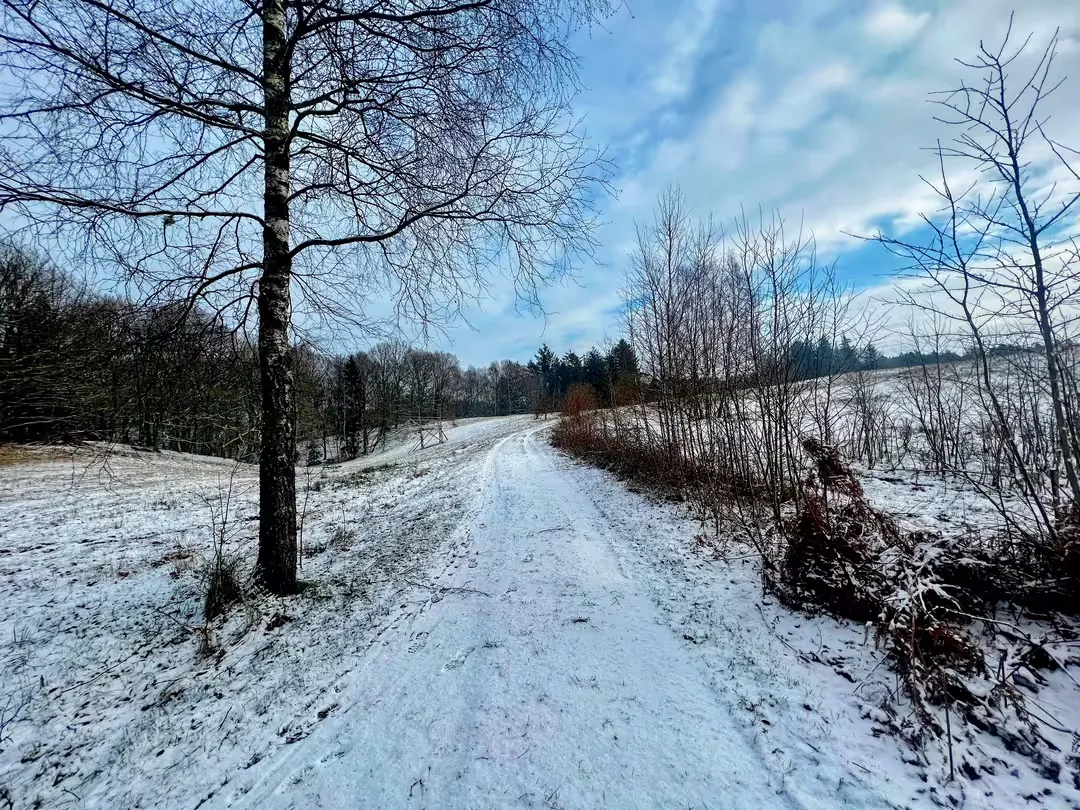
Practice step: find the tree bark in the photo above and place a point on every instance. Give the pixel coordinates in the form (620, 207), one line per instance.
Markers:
(277, 470)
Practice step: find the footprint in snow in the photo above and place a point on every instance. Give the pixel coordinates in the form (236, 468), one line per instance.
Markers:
(458, 660)
(473, 563)
(419, 640)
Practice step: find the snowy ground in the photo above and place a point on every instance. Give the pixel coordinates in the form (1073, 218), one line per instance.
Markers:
(488, 625)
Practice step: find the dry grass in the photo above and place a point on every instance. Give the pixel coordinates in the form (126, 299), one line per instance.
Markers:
(11, 454)
(14, 454)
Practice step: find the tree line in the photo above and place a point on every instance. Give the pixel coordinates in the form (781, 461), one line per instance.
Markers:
(809, 360)
(604, 372)
(77, 365)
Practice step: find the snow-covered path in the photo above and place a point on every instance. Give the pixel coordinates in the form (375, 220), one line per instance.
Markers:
(544, 678)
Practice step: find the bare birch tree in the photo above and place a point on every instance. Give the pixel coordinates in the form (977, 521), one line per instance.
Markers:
(243, 152)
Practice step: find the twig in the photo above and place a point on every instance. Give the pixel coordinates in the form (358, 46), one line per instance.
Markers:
(171, 617)
(948, 732)
(866, 680)
(447, 589)
(88, 681)
(807, 657)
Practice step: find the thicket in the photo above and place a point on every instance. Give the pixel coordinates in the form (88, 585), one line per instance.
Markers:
(76, 365)
(724, 422)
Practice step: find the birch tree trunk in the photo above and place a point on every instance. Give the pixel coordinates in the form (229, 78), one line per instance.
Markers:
(277, 471)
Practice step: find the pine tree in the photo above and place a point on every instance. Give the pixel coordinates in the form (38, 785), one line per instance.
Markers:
(595, 370)
(623, 363)
(570, 371)
(546, 368)
(352, 385)
(870, 357)
(848, 359)
(823, 360)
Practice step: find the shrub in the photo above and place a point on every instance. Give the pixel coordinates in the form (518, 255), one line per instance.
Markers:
(223, 588)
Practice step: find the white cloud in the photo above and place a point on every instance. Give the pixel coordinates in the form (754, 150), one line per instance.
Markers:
(893, 23)
(806, 97)
(817, 108)
(822, 124)
(740, 105)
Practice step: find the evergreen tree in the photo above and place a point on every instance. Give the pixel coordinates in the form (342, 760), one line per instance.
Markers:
(571, 372)
(847, 356)
(802, 360)
(546, 367)
(353, 386)
(824, 359)
(622, 360)
(595, 373)
(870, 357)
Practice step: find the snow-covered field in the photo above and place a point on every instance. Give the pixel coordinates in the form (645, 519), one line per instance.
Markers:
(487, 624)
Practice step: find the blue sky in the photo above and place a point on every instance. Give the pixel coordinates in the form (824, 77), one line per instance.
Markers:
(816, 108)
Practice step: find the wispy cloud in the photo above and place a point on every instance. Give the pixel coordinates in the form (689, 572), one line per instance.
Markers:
(686, 36)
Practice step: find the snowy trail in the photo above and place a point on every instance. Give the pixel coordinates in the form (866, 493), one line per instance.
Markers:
(547, 680)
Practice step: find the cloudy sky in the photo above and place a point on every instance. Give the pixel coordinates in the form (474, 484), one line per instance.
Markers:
(816, 108)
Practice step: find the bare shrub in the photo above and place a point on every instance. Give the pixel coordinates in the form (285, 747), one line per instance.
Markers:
(829, 559)
(870, 427)
(223, 584)
(747, 414)
(732, 421)
(647, 465)
(999, 273)
(222, 587)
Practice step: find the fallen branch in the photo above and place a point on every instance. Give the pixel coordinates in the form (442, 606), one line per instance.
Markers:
(447, 589)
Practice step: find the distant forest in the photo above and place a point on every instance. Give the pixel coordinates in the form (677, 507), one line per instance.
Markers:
(78, 365)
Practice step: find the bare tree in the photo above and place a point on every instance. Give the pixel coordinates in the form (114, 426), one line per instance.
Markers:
(717, 325)
(241, 152)
(998, 263)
